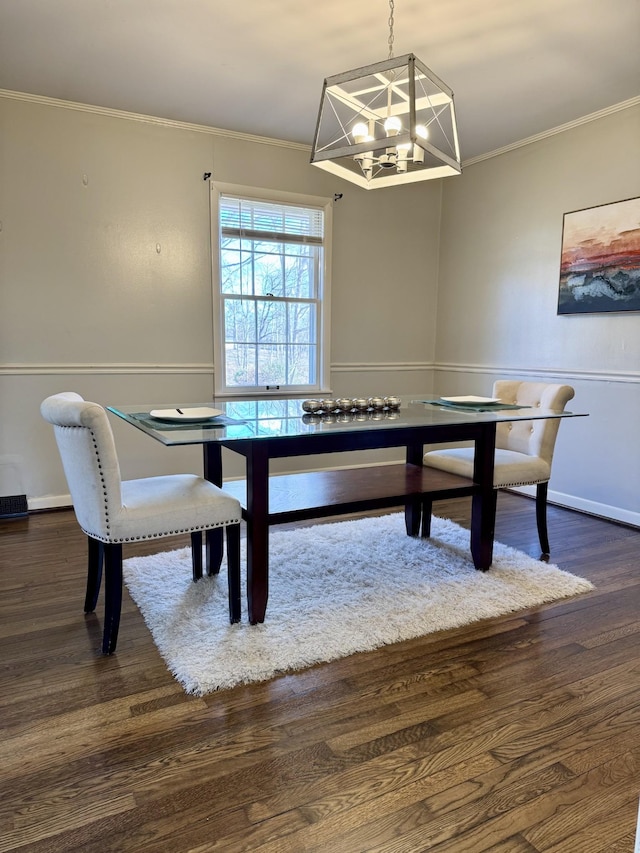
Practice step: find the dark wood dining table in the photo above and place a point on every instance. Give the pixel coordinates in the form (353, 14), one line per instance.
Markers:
(264, 429)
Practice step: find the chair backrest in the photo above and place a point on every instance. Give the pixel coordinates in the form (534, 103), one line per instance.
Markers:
(85, 441)
(535, 438)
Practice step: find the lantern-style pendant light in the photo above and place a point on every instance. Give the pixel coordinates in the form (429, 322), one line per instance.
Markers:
(388, 123)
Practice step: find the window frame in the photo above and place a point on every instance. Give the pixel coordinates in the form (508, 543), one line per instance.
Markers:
(221, 389)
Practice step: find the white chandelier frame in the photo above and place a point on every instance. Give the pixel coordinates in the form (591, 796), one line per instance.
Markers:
(424, 147)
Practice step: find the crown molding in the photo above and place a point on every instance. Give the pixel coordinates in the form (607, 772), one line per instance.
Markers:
(554, 131)
(161, 122)
(297, 146)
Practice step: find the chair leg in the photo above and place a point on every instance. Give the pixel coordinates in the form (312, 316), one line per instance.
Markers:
(233, 569)
(427, 509)
(95, 559)
(113, 597)
(214, 540)
(196, 555)
(541, 517)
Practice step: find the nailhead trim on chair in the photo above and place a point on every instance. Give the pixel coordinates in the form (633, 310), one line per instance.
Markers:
(121, 541)
(104, 488)
(523, 483)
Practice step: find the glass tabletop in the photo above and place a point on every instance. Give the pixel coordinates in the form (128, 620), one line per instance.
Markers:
(243, 419)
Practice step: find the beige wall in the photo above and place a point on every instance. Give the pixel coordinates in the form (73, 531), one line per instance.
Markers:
(88, 303)
(497, 301)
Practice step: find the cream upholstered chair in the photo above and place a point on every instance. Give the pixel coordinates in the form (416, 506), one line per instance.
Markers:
(524, 449)
(113, 512)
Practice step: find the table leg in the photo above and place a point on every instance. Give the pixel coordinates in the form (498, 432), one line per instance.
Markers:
(427, 513)
(483, 505)
(413, 507)
(412, 516)
(214, 539)
(257, 533)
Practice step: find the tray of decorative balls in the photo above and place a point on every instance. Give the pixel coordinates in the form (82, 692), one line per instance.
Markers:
(346, 409)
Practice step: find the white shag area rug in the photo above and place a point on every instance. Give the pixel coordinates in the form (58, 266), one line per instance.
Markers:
(334, 589)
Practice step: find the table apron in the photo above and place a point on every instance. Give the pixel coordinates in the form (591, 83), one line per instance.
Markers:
(341, 442)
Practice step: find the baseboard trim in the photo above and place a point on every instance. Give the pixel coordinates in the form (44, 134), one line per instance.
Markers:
(610, 513)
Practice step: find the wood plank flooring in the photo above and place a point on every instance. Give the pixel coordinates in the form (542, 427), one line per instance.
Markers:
(513, 735)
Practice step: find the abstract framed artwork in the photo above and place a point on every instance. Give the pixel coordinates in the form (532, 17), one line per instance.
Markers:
(600, 260)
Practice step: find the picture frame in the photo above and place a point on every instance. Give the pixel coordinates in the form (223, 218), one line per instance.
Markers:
(600, 259)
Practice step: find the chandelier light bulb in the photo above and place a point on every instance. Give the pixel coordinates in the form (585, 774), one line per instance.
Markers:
(418, 152)
(360, 132)
(392, 126)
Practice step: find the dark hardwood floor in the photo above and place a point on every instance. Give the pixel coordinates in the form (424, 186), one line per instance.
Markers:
(513, 735)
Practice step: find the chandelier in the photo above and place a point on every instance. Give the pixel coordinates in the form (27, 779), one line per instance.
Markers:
(388, 123)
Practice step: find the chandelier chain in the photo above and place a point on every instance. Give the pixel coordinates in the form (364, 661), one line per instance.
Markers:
(390, 40)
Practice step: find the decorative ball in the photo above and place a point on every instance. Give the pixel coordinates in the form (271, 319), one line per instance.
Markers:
(392, 402)
(376, 402)
(328, 405)
(311, 406)
(344, 404)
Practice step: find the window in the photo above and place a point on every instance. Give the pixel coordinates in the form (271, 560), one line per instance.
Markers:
(271, 291)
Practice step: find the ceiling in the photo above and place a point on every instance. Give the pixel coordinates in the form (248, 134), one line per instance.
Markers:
(517, 67)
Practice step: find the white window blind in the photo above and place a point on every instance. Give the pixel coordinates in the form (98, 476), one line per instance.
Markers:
(260, 220)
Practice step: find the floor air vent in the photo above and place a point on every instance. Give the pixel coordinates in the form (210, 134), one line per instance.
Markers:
(12, 505)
